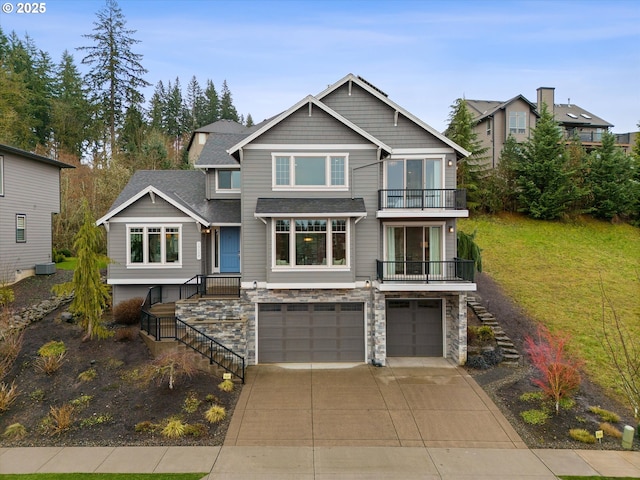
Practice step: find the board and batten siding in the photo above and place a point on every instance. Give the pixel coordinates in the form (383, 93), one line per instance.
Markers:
(153, 213)
(31, 188)
(378, 119)
(299, 128)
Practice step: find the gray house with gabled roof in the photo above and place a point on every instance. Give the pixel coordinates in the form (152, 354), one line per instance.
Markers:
(324, 234)
(495, 121)
(29, 197)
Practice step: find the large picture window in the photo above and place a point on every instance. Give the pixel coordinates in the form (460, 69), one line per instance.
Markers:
(309, 171)
(316, 242)
(154, 245)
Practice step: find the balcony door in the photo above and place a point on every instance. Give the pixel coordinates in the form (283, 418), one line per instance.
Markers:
(409, 248)
(414, 183)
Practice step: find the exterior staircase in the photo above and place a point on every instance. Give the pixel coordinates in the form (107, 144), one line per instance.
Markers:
(163, 331)
(510, 354)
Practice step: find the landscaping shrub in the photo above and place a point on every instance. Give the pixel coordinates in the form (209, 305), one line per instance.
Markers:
(59, 420)
(610, 430)
(128, 312)
(126, 334)
(535, 416)
(15, 431)
(174, 429)
(605, 415)
(215, 414)
(226, 386)
(477, 362)
(191, 403)
(8, 395)
(532, 396)
(49, 364)
(170, 367)
(87, 375)
(493, 357)
(582, 435)
(10, 346)
(58, 256)
(52, 348)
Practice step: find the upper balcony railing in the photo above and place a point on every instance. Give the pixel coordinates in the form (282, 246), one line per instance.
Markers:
(423, 199)
(456, 271)
(588, 136)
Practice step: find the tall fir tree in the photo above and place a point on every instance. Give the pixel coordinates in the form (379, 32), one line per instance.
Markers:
(227, 110)
(157, 107)
(249, 122)
(609, 179)
(71, 109)
(196, 103)
(211, 112)
(499, 191)
(470, 170)
(116, 72)
(544, 180)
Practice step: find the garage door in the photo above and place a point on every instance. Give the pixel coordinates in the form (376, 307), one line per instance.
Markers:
(414, 328)
(311, 332)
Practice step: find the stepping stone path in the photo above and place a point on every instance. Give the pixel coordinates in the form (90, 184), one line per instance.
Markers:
(511, 356)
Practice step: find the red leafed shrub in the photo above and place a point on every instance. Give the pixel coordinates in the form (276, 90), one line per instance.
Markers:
(128, 312)
(559, 375)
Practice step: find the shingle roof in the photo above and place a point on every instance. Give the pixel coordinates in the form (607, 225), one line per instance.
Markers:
(215, 149)
(310, 206)
(565, 113)
(184, 187)
(34, 156)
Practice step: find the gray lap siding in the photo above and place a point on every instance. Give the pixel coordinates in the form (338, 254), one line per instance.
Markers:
(145, 212)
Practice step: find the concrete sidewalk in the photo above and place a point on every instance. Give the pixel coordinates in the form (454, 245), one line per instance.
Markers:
(307, 463)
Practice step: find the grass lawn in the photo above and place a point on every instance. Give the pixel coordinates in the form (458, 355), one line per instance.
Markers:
(554, 270)
(104, 476)
(71, 262)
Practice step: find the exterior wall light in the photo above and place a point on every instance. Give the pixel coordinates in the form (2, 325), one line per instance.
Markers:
(451, 229)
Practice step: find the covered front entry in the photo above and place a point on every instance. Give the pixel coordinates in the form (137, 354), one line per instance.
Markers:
(311, 332)
(414, 328)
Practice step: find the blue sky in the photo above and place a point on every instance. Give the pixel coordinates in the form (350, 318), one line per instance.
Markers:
(423, 53)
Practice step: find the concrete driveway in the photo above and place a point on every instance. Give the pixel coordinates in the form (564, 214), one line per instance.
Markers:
(410, 403)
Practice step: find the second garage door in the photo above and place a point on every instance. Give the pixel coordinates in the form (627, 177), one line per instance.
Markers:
(414, 328)
(311, 332)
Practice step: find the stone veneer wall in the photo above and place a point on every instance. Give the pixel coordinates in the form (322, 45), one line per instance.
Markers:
(233, 321)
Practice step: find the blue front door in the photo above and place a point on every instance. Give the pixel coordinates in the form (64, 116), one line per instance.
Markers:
(229, 249)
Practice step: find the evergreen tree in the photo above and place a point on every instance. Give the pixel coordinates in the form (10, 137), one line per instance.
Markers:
(471, 169)
(500, 186)
(132, 135)
(544, 180)
(211, 111)
(609, 180)
(227, 110)
(196, 104)
(91, 296)
(249, 122)
(15, 125)
(157, 107)
(116, 71)
(71, 114)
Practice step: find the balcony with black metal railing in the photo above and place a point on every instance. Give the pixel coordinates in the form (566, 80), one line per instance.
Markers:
(407, 274)
(426, 202)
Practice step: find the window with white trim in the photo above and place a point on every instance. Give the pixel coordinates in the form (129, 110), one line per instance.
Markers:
(154, 245)
(21, 228)
(313, 242)
(310, 171)
(228, 180)
(517, 122)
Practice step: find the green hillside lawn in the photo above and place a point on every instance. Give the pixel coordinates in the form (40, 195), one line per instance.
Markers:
(553, 270)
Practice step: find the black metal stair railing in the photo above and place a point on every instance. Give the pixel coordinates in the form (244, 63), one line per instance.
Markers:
(172, 328)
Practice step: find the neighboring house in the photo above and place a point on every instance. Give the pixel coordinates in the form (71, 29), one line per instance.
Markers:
(324, 234)
(29, 196)
(496, 120)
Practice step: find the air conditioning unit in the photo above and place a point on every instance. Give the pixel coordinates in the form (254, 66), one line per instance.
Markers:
(45, 268)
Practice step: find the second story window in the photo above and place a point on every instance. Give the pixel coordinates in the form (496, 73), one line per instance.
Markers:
(309, 171)
(229, 180)
(517, 122)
